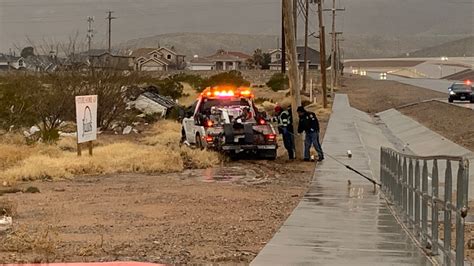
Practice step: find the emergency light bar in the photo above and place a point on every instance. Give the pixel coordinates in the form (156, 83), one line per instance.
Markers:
(227, 91)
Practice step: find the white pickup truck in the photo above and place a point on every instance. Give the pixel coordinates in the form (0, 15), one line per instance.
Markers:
(225, 119)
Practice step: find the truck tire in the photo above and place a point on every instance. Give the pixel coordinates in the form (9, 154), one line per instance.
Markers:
(450, 100)
(268, 154)
(199, 142)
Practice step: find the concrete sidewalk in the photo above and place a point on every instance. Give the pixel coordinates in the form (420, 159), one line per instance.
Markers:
(341, 224)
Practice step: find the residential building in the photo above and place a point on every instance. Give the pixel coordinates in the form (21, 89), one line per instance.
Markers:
(108, 61)
(157, 59)
(201, 64)
(9, 62)
(314, 61)
(229, 60)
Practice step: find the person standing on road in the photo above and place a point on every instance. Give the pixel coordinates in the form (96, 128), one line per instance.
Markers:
(310, 125)
(285, 128)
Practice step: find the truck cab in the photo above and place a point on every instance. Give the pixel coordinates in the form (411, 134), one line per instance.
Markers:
(224, 118)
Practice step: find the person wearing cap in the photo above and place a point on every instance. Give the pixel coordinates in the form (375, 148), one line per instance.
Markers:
(310, 125)
(285, 128)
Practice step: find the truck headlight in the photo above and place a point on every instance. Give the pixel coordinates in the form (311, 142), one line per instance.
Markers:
(452, 93)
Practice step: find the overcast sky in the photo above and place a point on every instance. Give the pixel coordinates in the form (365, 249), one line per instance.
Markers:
(56, 20)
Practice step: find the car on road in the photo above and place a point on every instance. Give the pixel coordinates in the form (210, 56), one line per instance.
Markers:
(460, 91)
(225, 119)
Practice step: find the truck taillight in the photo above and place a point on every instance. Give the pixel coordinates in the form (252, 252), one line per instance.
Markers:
(209, 139)
(262, 121)
(270, 137)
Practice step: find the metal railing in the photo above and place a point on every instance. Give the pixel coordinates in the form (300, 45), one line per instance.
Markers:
(415, 193)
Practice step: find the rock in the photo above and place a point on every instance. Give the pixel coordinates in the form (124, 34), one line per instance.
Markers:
(32, 190)
(6, 223)
(127, 130)
(34, 129)
(64, 134)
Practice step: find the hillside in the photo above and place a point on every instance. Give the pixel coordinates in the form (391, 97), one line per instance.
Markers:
(355, 46)
(457, 48)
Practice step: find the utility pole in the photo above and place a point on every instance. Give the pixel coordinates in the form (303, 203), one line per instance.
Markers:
(90, 34)
(322, 50)
(293, 72)
(109, 18)
(295, 15)
(283, 41)
(305, 67)
(334, 56)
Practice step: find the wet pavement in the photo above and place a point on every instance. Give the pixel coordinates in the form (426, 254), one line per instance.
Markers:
(341, 219)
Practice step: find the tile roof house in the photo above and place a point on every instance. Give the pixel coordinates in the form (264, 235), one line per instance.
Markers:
(229, 60)
(314, 61)
(157, 59)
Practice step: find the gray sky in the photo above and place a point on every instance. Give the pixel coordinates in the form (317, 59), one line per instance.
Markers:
(56, 20)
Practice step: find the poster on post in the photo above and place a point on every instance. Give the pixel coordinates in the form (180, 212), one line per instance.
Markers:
(86, 118)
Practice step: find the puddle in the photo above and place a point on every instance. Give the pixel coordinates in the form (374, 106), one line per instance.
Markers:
(221, 174)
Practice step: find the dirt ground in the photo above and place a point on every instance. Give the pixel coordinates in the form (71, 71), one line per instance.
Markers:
(373, 96)
(445, 119)
(179, 218)
(221, 215)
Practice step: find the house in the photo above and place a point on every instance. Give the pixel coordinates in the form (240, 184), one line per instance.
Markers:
(201, 63)
(314, 61)
(9, 62)
(108, 61)
(157, 59)
(153, 103)
(229, 60)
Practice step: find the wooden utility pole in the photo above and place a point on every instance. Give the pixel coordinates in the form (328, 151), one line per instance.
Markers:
(283, 41)
(109, 17)
(295, 15)
(305, 67)
(334, 55)
(322, 50)
(90, 34)
(293, 73)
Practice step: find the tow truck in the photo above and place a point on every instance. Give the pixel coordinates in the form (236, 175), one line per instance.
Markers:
(225, 119)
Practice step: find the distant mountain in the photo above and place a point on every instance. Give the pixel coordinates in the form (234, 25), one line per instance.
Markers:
(354, 46)
(457, 48)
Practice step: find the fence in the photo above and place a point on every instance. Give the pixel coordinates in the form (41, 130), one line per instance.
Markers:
(415, 193)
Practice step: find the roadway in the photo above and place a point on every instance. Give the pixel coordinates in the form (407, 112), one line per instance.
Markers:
(439, 85)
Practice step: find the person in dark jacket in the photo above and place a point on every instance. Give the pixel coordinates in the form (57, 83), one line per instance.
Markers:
(285, 128)
(310, 125)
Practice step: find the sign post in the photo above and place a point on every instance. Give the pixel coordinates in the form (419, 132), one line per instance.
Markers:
(86, 120)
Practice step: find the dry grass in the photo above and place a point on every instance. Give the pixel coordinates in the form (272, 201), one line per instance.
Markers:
(114, 158)
(157, 152)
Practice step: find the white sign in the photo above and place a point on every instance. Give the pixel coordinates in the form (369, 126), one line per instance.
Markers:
(86, 118)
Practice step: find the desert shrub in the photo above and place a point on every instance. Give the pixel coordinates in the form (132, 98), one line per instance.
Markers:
(278, 82)
(195, 81)
(234, 78)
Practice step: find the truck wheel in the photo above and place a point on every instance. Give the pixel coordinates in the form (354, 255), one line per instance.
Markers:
(199, 142)
(472, 100)
(268, 154)
(450, 100)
